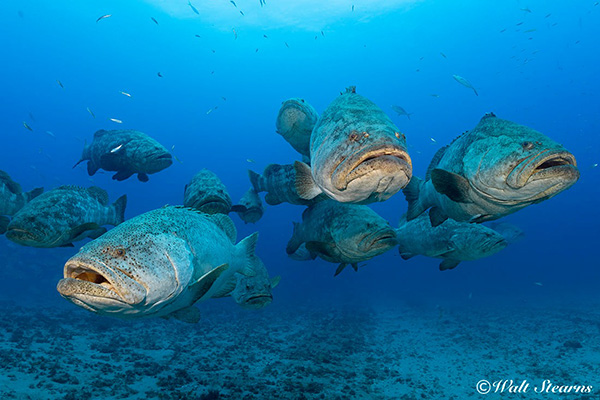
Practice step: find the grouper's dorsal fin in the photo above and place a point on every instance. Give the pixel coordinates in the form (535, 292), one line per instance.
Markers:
(99, 194)
(225, 223)
(100, 133)
(435, 161)
(13, 186)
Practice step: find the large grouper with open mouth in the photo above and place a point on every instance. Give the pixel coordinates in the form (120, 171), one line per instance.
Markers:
(342, 233)
(159, 264)
(493, 170)
(357, 155)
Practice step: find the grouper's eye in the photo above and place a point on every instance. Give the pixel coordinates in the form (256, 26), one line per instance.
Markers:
(527, 145)
(120, 252)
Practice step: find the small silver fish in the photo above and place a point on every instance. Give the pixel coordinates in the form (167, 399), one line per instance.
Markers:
(433, 140)
(538, 283)
(250, 160)
(286, 45)
(465, 83)
(50, 133)
(193, 8)
(234, 33)
(159, 75)
(233, 2)
(118, 121)
(60, 83)
(153, 19)
(116, 148)
(124, 93)
(209, 111)
(443, 55)
(27, 126)
(241, 12)
(91, 112)
(525, 9)
(434, 95)
(400, 111)
(104, 16)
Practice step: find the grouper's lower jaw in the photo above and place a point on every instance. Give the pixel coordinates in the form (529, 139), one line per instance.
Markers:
(383, 162)
(554, 165)
(95, 280)
(258, 301)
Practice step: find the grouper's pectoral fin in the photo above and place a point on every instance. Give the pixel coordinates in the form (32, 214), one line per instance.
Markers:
(205, 282)
(437, 216)
(448, 264)
(122, 175)
(190, 314)
(142, 177)
(455, 186)
(305, 184)
(339, 269)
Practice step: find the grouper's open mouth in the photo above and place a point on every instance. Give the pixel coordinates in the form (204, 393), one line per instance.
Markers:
(88, 281)
(388, 160)
(560, 166)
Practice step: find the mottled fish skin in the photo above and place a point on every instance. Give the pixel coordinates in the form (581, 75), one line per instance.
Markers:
(138, 154)
(64, 215)
(357, 154)
(295, 122)
(279, 181)
(12, 198)
(250, 207)
(255, 292)
(207, 193)
(158, 264)
(493, 170)
(342, 233)
(451, 241)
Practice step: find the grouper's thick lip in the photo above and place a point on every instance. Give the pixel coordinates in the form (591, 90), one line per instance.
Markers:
(82, 274)
(544, 165)
(381, 239)
(347, 170)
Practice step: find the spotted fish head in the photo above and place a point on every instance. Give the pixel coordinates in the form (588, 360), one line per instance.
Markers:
(35, 230)
(513, 164)
(128, 273)
(207, 193)
(477, 241)
(150, 155)
(364, 239)
(254, 292)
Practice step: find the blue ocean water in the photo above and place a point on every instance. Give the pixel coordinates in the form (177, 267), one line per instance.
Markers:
(223, 77)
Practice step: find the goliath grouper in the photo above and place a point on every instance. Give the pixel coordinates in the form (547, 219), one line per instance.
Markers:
(208, 194)
(126, 151)
(342, 233)
(493, 170)
(357, 155)
(158, 264)
(295, 122)
(12, 198)
(65, 215)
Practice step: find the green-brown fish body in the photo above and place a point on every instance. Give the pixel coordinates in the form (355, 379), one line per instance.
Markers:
(207, 193)
(12, 199)
(250, 207)
(65, 215)
(279, 181)
(357, 155)
(342, 233)
(295, 122)
(493, 170)
(255, 292)
(451, 241)
(158, 264)
(127, 152)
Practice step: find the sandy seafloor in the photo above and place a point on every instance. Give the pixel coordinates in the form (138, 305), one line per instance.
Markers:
(401, 351)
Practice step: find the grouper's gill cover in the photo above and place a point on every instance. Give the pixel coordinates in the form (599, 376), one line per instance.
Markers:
(295, 122)
(207, 193)
(158, 264)
(491, 171)
(65, 215)
(357, 154)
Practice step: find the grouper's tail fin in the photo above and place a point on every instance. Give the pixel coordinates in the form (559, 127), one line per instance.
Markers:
(85, 154)
(246, 248)
(295, 240)
(32, 194)
(119, 207)
(305, 184)
(412, 193)
(255, 180)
